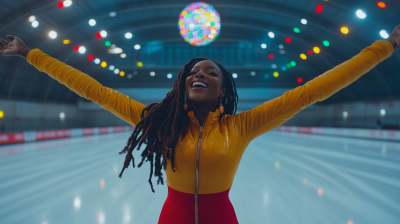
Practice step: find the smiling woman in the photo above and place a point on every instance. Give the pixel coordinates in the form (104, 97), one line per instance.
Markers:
(203, 144)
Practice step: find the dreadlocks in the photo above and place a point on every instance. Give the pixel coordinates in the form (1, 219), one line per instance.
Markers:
(166, 121)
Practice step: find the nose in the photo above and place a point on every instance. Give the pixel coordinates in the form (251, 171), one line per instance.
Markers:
(200, 73)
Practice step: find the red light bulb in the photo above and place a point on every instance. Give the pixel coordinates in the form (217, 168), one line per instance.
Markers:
(288, 40)
(299, 80)
(309, 52)
(271, 56)
(90, 57)
(98, 35)
(319, 8)
(60, 5)
(76, 48)
(381, 5)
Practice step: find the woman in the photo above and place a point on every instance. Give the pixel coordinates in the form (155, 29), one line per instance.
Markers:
(195, 129)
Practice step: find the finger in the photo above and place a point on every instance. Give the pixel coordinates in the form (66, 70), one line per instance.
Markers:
(4, 41)
(11, 37)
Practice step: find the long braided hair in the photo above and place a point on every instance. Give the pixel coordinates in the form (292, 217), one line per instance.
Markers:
(166, 121)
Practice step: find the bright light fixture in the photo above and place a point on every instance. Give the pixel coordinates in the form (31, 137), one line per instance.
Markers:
(303, 21)
(263, 46)
(97, 61)
(169, 76)
(111, 67)
(271, 34)
(103, 33)
(67, 3)
(383, 112)
(53, 34)
(345, 114)
(128, 35)
(361, 14)
(32, 18)
(152, 73)
(92, 22)
(137, 46)
(103, 64)
(116, 71)
(123, 55)
(384, 34)
(62, 116)
(234, 75)
(82, 49)
(35, 24)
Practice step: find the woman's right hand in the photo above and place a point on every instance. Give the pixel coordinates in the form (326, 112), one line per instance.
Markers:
(14, 48)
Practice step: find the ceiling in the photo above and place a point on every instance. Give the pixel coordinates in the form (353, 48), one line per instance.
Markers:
(244, 27)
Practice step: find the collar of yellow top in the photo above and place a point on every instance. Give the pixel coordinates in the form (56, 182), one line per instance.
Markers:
(211, 118)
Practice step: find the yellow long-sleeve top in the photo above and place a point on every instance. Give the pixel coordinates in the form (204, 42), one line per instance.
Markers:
(225, 139)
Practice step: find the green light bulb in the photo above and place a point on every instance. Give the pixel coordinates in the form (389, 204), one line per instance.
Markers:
(326, 43)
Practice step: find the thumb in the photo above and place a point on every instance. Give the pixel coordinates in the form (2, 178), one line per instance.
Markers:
(11, 37)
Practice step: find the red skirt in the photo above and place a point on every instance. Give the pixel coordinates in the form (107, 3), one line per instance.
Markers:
(213, 208)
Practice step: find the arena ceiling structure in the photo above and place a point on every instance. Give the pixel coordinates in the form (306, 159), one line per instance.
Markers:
(264, 43)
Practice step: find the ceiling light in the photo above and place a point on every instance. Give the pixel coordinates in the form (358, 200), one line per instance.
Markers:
(35, 24)
(128, 35)
(271, 34)
(53, 34)
(384, 34)
(361, 14)
(82, 49)
(303, 21)
(103, 33)
(263, 46)
(137, 47)
(32, 18)
(67, 3)
(115, 50)
(92, 22)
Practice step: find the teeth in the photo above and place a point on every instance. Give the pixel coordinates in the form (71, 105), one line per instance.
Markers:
(199, 83)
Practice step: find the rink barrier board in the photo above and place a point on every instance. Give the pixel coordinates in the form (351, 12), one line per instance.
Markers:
(31, 136)
(346, 132)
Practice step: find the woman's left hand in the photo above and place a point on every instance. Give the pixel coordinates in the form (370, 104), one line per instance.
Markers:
(395, 37)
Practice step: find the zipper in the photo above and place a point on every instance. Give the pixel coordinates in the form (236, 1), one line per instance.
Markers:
(196, 210)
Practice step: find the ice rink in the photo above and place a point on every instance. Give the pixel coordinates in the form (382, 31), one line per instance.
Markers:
(283, 178)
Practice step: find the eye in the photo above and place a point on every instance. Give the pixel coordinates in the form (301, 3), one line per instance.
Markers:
(214, 74)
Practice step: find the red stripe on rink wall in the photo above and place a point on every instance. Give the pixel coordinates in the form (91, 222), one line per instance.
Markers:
(28, 136)
(11, 138)
(347, 132)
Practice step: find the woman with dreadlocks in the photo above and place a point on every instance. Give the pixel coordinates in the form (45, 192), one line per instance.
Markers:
(195, 130)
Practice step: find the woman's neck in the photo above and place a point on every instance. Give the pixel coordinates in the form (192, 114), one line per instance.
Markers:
(201, 109)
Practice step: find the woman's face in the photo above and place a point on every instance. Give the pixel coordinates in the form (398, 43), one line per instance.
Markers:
(208, 73)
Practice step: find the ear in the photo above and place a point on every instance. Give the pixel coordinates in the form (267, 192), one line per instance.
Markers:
(223, 92)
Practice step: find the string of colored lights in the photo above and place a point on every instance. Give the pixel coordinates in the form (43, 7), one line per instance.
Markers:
(199, 25)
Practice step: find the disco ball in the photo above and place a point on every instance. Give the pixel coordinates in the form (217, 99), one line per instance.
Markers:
(199, 24)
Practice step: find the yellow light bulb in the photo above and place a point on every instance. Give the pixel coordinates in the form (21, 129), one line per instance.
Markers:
(121, 73)
(66, 41)
(276, 74)
(317, 50)
(344, 30)
(103, 64)
(1, 114)
(303, 56)
(140, 64)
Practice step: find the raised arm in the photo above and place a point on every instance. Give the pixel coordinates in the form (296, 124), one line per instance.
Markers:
(271, 114)
(121, 105)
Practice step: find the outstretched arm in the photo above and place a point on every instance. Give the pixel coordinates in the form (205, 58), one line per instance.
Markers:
(271, 114)
(122, 106)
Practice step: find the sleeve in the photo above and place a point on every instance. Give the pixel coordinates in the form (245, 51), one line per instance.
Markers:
(271, 114)
(85, 86)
